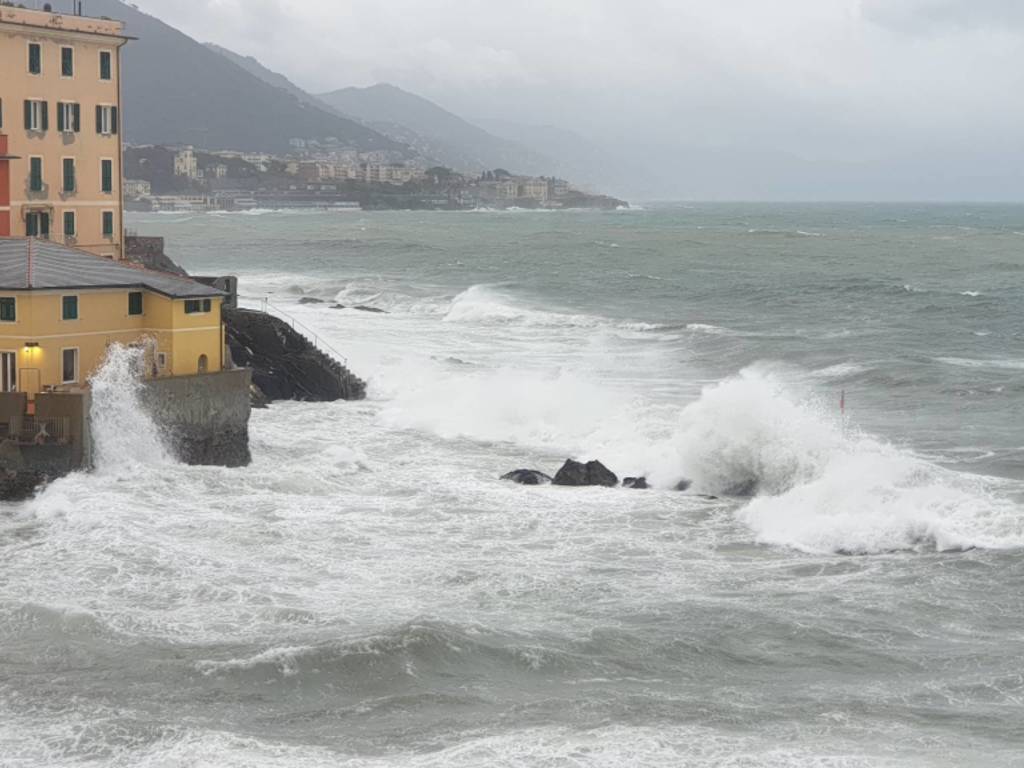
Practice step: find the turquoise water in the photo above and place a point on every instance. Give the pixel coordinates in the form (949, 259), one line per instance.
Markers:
(369, 593)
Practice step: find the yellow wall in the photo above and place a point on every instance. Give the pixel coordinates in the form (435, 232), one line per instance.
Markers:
(103, 319)
(19, 27)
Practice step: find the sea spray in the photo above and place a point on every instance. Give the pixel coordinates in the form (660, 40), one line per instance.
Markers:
(124, 433)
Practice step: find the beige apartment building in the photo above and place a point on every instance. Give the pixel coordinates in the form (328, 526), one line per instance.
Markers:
(60, 119)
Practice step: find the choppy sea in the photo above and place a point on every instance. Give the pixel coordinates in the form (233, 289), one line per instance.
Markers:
(369, 593)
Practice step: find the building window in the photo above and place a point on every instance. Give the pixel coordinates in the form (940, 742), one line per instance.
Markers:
(68, 184)
(108, 223)
(37, 117)
(37, 224)
(105, 66)
(67, 62)
(69, 224)
(198, 306)
(106, 120)
(135, 303)
(35, 174)
(161, 360)
(35, 59)
(69, 308)
(8, 309)
(69, 117)
(107, 175)
(69, 365)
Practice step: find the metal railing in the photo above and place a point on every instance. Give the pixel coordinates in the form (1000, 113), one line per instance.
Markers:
(308, 333)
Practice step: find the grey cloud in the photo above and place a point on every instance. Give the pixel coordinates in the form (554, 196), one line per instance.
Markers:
(928, 16)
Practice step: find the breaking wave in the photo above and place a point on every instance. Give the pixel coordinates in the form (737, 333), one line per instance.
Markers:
(820, 489)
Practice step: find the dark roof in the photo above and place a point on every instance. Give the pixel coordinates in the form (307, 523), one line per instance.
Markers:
(30, 264)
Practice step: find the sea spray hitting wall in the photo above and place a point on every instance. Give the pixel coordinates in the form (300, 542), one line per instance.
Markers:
(123, 430)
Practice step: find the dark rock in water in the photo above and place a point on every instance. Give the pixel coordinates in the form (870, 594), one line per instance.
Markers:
(638, 483)
(363, 308)
(311, 300)
(20, 485)
(527, 477)
(336, 306)
(285, 364)
(683, 485)
(592, 473)
(744, 489)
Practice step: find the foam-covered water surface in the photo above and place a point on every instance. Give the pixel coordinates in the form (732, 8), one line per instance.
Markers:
(836, 588)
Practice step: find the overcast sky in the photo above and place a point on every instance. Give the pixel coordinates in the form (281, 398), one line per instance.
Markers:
(791, 99)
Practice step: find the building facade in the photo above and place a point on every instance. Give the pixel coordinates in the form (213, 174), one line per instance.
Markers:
(60, 110)
(61, 308)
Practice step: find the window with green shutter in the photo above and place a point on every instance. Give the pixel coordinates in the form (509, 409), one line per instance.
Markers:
(69, 223)
(108, 223)
(105, 65)
(69, 174)
(135, 303)
(69, 308)
(35, 174)
(107, 168)
(35, 59)
(67, 62)
(8, 309)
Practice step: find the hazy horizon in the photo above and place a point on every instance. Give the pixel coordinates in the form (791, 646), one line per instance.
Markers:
(824, 100)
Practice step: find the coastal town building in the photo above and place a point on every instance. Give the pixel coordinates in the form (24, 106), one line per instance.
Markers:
(61, 308)
(60, 171)
(136, 188)
(186, 163)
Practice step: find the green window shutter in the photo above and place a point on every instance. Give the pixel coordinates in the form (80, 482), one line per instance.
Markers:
(8, 309)
(35, 59)
(99, 119)
(69, 174)
(60, 117)
(108, 176)
(69, 308)
(35, 181)
(67, 62)
(77, 115)
(108, 224)
(113, 120)
(44, 225)
(44, 108)
(105, 68)
(28, 115)
(135, 303)
(69, 223)
(32, 224)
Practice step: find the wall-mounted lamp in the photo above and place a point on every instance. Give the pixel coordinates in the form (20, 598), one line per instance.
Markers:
(31, 344)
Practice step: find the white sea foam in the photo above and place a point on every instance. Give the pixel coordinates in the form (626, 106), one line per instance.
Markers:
(997, 364)
(123, 431)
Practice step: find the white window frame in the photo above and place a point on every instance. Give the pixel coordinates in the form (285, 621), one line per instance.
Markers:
(36, 115)
(113, 229)
(78, 362)
(73, 57)
(74, 215)
(14, 370)
(28, 58)
(67, 109)
(106, 119)
(99, 66)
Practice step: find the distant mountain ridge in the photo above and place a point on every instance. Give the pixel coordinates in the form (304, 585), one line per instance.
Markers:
(178, 91)
(434, 131)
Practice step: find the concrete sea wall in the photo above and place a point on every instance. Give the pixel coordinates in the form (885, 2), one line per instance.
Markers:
(206, 416)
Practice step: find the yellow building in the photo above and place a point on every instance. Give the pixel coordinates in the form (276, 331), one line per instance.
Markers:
(60, 309)
(60, 110)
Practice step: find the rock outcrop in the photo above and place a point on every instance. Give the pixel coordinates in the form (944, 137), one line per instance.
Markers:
(527, 477)
(637, 483)
(576, 473)
(21, 484)
(285, 364)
